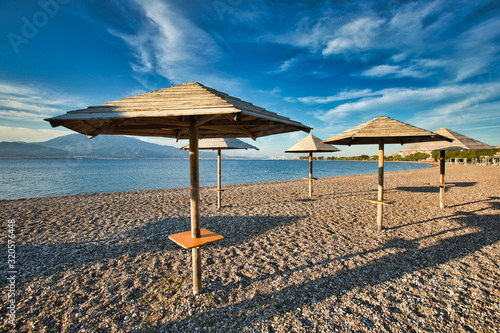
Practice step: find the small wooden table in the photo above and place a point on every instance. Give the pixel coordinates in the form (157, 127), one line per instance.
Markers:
(442, 185)
(378, 202)
(185, 240)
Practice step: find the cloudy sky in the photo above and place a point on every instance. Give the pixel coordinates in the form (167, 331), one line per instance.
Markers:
(331, 65)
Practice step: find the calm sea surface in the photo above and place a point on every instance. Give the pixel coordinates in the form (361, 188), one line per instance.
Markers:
(53, 177)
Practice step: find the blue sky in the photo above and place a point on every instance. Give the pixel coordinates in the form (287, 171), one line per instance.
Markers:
(331, 65)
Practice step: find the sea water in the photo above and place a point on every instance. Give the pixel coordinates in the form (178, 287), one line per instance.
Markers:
(30, 178)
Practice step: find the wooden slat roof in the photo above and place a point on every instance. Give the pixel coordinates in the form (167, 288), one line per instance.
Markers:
(384, 130)
(460, 142)
(165, 113)
(222, 143)
(312, 144)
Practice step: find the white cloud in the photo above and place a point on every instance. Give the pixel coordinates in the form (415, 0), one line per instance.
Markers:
(420, 68)
(23, 108)
(23, 116)
(477, 106)
(341, 96)
(354, 36)
(26, 134)
(477, 49)
(29, 103)
(432, 105)
(285, 66)
(171, 45)
(21, 105)
(413, 39)
(381, 70)
(16, 90)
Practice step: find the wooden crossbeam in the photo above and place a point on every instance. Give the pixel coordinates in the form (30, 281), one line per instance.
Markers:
(103, 129)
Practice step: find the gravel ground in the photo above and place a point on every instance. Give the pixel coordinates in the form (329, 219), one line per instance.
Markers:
(104, 263)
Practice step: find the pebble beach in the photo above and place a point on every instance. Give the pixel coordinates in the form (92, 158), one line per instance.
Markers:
(288, 263)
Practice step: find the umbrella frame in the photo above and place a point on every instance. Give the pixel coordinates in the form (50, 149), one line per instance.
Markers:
(350, 137)
(463, 143)
(208, 114)
(301, 150)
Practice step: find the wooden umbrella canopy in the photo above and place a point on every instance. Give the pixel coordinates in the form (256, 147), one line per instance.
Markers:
(311, 144)
(383, 130)
(187, 111)
(460, 142)
(220, 144)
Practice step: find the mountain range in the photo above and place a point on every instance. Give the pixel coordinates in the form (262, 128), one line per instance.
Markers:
(105, 146)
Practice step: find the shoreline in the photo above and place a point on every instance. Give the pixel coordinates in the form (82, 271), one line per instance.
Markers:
(211, 186)
(103, 262)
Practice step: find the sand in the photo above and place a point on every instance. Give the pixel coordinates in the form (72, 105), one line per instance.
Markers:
(104, 263)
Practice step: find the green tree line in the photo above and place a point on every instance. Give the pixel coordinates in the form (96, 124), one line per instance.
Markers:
(468, 154)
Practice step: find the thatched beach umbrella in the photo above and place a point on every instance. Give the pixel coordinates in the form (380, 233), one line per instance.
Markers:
(220, 144)
(383, 130)
(187, 111)
(311, 144)
(460, 142)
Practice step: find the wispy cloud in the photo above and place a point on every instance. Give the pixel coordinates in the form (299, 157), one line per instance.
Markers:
(476, 51)
(26, 103)
(341, 96)
(171, 45)
(446, 104)
(27, 134)
(23, 108)
(354, 36)
(477, 105)
(285, 66)
(416, 39)
(420, 68)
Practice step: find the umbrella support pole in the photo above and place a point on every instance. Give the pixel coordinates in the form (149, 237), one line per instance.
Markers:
(310, 187)
(310, 178)
(194, 171)
(310, 174)
(380, 198)
(196, 255)
(197, 237)
(219, 182)
(441, 178)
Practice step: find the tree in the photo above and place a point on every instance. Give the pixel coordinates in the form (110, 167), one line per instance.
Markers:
(417, 156)
(468, 154)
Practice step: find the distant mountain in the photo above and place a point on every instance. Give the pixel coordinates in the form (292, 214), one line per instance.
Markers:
(29, 150)
(105, 146)
(112, 146)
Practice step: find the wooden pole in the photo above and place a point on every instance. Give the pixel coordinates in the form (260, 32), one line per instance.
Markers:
(195, 201)
(380, 197)
(310, 173)
(219, 176)
(441, 178)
